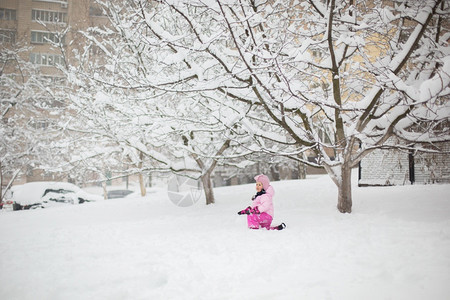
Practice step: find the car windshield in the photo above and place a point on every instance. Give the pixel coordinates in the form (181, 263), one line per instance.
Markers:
(58, 191)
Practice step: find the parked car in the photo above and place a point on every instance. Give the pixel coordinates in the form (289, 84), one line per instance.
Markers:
(118, 193)
(12, 205)
(46, 193)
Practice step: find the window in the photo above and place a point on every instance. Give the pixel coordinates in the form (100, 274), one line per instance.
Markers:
(7, 36)
(41, 37)
(56, 80)
(46, 59)
(40, 124)
(95, 11)
(7, 14)
(316, 53)
(48, 16)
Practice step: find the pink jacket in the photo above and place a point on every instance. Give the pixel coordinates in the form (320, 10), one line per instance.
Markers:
(264, 202)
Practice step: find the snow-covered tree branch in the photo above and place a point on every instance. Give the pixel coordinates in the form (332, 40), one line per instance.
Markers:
(334, 79)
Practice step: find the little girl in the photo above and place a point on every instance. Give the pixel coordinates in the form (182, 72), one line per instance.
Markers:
(260, 213)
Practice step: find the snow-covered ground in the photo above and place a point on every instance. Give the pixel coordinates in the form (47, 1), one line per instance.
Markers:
(395, 245)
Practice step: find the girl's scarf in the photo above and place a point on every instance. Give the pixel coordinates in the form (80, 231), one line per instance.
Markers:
(259, 194)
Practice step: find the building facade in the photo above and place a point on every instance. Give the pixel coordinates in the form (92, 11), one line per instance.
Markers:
(43, 34)
(40, 24)
(402, 167)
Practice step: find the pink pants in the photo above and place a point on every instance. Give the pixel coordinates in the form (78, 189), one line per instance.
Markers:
(262, 220)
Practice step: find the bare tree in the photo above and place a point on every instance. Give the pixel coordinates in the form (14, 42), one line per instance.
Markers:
(112, 99)
(335, 78)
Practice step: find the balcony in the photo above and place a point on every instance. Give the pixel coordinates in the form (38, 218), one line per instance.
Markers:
(64, 3)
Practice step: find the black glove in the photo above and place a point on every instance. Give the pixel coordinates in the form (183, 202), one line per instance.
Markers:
(246, 211)
(255, 210)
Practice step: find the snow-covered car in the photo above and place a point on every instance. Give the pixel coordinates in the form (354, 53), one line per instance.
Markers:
(46, 193)
(118, 193)
(9, 204)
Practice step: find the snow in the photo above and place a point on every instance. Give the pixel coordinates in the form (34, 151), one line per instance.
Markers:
(394, 245)
(428, 89)
(32, 192)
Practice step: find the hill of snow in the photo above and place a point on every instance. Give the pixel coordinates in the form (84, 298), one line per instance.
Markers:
(395, 245)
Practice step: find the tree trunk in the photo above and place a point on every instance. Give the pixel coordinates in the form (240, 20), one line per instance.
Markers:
(206, 177)
(301, 171)
(142, 185)
(105, 192)
(208, 188)
(1, 182)
(9, 183)
(141, 177)
(345, 190)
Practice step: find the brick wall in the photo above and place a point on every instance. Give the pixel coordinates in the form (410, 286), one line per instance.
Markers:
(384, 167)
(392, 167)
(433, 167)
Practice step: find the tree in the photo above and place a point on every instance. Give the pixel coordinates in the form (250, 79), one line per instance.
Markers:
(183, 134)
(28, 112)
(335, 78)
(151, 134)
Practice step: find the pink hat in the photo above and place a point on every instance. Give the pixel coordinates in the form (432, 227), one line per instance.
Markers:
(264, 180)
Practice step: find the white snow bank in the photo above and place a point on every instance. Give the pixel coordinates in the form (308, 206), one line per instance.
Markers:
(394, 245)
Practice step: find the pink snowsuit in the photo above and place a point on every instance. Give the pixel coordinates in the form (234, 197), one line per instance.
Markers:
(264, 204)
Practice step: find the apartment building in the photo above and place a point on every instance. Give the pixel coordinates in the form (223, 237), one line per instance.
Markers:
(39, 23)
(46, 32)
